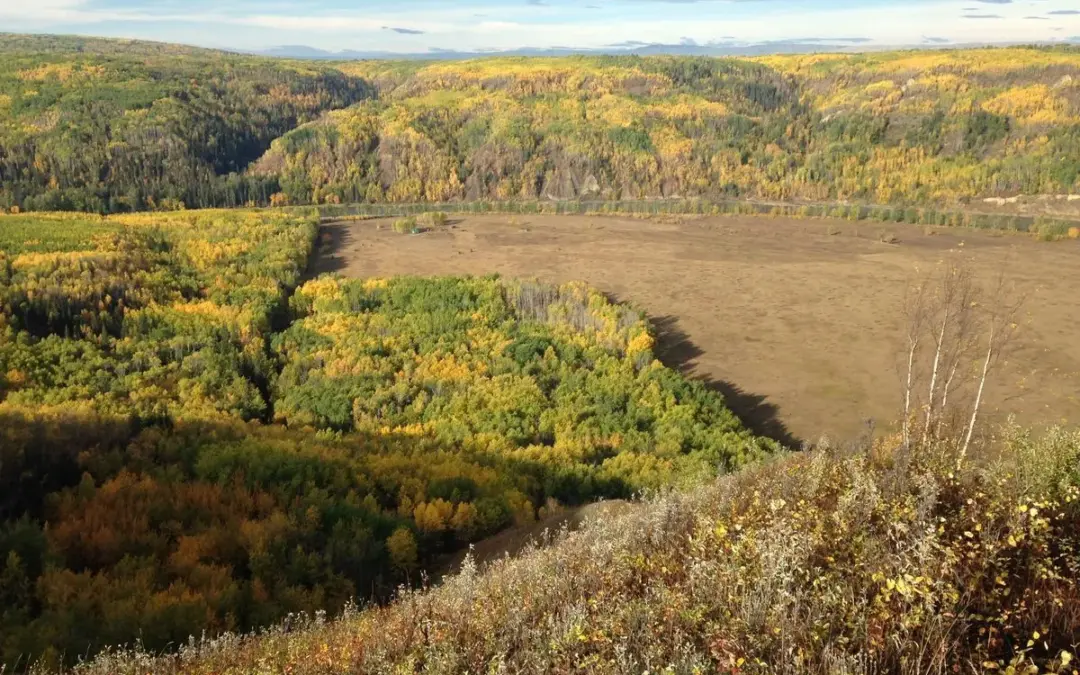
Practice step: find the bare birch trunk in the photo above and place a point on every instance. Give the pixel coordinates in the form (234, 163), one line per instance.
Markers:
(978, 398)
(914, 345)
(946, 389)
(934, 375)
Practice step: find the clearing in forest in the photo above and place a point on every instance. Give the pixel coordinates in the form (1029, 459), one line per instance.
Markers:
(798, 323)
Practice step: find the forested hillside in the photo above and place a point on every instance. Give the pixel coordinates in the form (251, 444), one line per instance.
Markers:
(909, 127)
(604, 128)
(186, 444)
(106, 126)
(942, 125)
(100, 125)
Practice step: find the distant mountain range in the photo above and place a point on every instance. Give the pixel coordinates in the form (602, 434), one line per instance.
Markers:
(721, 48)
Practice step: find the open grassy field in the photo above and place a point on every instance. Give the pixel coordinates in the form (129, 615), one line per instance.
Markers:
(798, 323)
(50, 234)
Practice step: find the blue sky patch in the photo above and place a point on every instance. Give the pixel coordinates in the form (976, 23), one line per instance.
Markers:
(416, 26)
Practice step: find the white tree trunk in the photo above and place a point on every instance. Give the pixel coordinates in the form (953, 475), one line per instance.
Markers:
(934, 375)
(978, 399)
(948, 385)
(907, 391)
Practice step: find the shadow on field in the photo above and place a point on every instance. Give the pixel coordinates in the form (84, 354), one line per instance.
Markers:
(329, 252)
(676, 350)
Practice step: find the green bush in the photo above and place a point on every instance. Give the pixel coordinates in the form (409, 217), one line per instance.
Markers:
(433, 219)
(405, 225)
(1049, 229)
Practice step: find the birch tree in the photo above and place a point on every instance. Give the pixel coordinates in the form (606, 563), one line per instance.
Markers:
(956, 332)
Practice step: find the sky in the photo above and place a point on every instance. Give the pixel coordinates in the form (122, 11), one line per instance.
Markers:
(413, 26)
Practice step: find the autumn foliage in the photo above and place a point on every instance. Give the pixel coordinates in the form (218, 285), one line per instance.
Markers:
(187, 445)
(915, 129)
(868, 558)
(113, 126)
(98, 125)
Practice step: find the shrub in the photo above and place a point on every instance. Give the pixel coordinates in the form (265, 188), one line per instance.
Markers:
(405, 225)
(1049, 229)
(433, 219)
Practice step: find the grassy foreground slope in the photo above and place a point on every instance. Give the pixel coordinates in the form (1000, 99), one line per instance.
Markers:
(190, 444)
(868, 561)
(915, 128)
(101, 125)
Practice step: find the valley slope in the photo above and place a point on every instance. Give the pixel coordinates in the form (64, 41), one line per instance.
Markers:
(909, 128)
(190, 443)
(106, 126)
(89, 124)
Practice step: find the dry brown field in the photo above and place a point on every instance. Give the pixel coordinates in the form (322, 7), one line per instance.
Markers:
(797, 322)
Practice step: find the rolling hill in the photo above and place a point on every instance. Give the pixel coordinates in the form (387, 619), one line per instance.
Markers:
(88, 124)
(911, 128)
(106, 126)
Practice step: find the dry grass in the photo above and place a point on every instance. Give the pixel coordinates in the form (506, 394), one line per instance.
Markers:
(806, 326)
(837, 560)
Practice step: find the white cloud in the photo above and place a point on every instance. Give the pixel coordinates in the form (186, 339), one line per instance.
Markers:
(310, 23)
(39, 10)
(458, 26)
